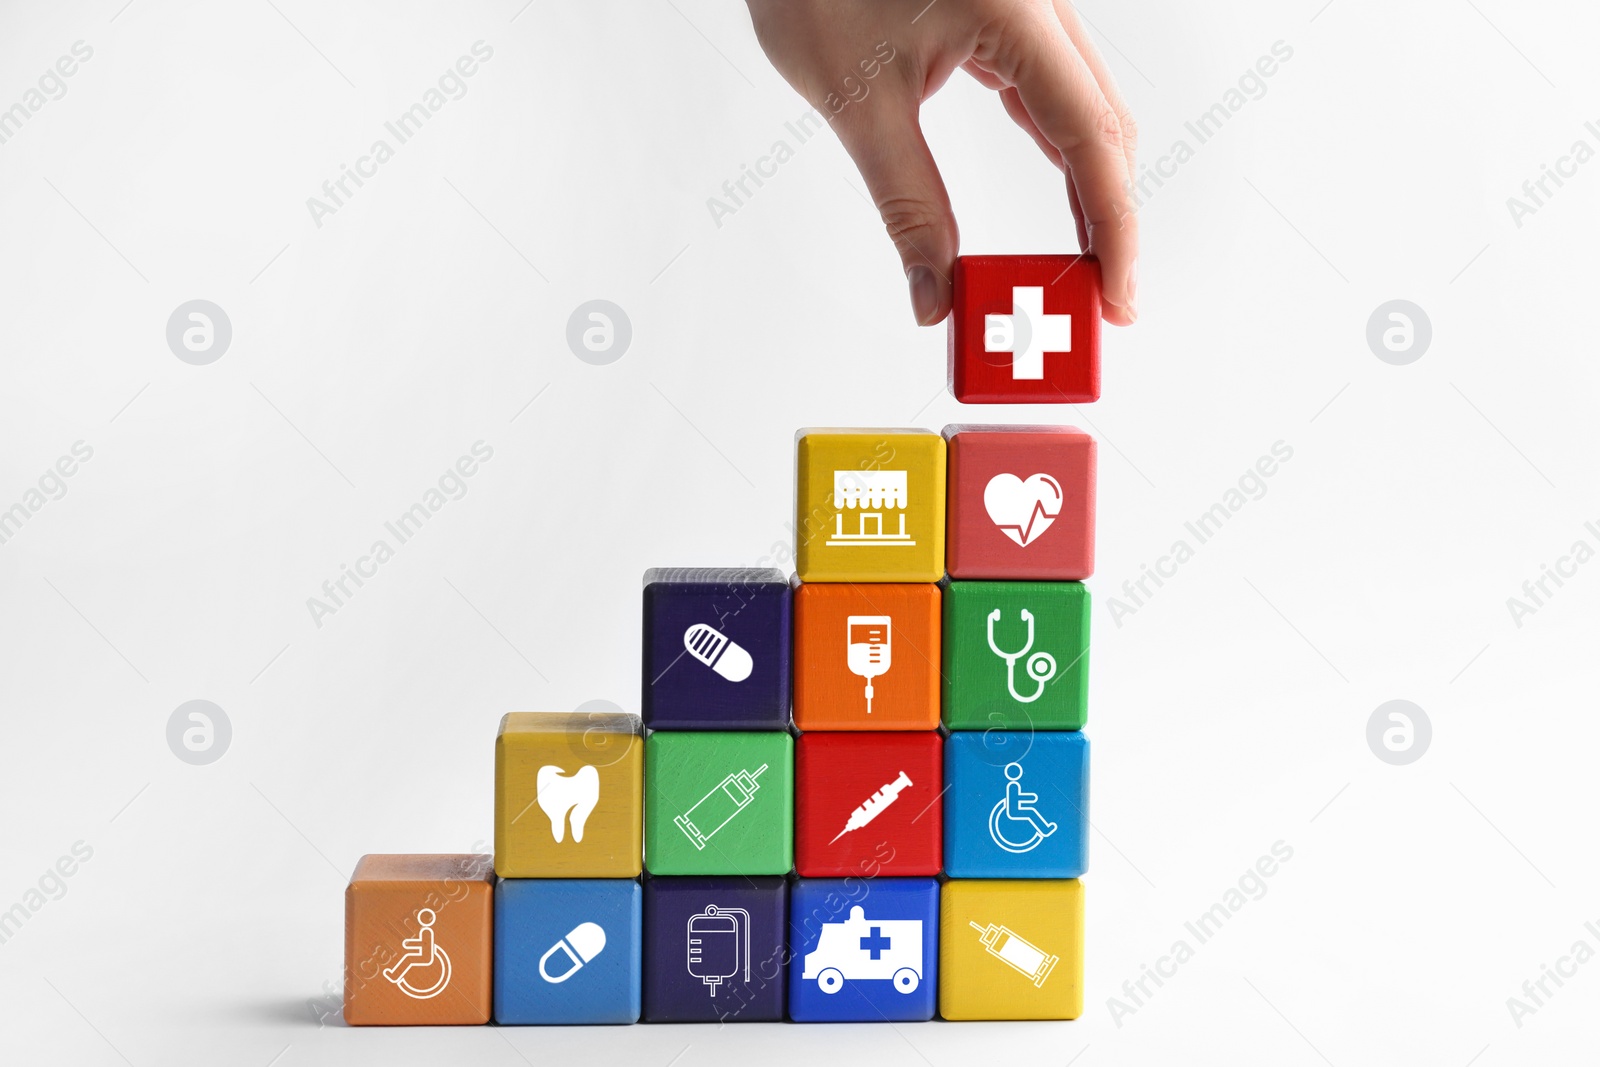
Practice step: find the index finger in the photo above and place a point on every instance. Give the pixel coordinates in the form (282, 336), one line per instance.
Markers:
(1072, 22)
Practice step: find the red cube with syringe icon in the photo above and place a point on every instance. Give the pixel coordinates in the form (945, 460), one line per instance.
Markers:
(866, 804)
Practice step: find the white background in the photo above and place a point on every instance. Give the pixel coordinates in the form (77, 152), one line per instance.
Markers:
(1228, 713)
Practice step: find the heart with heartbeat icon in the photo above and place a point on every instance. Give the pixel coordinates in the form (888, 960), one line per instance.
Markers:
(1022, 509)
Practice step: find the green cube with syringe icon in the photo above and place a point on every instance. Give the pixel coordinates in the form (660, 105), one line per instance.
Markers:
(1016, 656)
(719, 802)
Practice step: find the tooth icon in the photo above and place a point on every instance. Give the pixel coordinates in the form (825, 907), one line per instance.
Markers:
(560, 795)
(714, 648)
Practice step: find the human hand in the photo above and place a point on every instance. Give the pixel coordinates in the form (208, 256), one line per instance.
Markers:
(867, 65)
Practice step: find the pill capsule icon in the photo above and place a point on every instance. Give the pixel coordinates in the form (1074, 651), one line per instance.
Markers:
(717, 651)
(582, 944)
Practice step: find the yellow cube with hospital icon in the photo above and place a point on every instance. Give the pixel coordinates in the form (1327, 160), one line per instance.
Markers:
(870, 505)
(1011, 949)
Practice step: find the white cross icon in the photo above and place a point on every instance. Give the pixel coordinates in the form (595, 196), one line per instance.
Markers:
(1027, 333)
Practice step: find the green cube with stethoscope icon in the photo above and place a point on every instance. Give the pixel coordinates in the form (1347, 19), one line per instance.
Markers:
(719, 802)
(1016, 656)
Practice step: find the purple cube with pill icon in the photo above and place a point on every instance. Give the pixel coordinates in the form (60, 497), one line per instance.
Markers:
(716, 649)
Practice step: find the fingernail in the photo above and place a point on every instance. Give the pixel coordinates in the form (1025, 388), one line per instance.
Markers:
(924, 294)
(1133, 290)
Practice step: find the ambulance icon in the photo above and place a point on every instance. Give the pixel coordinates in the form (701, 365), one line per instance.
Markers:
(863, 949)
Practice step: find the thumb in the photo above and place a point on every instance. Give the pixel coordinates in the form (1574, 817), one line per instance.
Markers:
(887, 145)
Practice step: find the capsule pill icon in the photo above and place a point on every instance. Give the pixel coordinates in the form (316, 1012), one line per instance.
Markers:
(718, 651)
(582, 944)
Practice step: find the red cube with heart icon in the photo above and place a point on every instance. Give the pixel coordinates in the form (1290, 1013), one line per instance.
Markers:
(1025, 330)
(1020, 502)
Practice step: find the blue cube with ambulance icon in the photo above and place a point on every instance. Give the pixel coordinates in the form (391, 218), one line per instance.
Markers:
(716, 649)
(863, 950)
(567, 950)
(1016, 804)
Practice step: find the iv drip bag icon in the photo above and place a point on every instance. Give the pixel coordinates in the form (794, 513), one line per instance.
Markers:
(867, 648)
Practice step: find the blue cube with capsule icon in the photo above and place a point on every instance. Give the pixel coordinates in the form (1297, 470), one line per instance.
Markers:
(567, 951)
(716, 649)
(1016, 804)
(863, 950)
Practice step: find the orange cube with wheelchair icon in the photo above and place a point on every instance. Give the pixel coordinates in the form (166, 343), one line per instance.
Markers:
(419, 935)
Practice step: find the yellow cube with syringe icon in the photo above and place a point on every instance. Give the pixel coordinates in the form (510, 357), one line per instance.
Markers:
(869, 505)
(1011, 949)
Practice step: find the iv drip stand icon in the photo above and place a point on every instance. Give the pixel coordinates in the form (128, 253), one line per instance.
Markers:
(719, 945)
(867, 648)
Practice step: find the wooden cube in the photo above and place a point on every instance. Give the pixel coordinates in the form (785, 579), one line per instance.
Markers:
(866, 656)
(715, 949)
(1011, 949)
(716, 648)
(568, 795)
(1016, 655)
(863, 949)
(1016, 804)
(1026, 330)
(418, 941)
(720, 803)
(567, 951)
(870, 506)
(867, 804)
(1021, 502)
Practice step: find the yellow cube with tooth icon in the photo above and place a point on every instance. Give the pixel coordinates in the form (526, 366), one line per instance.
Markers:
(569, 795)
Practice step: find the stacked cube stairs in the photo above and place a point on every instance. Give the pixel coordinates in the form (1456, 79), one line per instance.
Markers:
(857, 794)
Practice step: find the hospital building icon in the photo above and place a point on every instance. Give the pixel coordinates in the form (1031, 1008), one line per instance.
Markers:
(880, 499)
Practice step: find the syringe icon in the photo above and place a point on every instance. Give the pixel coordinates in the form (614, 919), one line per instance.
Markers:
(1017, 952)
(718, 807)
(873, 806)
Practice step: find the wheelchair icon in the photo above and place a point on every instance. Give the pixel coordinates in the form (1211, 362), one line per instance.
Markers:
(421, 951)
(1017, 806)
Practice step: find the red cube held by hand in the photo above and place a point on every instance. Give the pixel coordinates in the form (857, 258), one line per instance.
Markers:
(1020, 503)
(1026, 330)
(868, 804)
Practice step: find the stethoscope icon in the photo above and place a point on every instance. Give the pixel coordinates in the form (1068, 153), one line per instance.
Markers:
(1041, 666)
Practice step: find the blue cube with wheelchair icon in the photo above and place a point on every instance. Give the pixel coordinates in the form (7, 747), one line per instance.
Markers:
(1016, 804)
(567, 950)
(863, 950)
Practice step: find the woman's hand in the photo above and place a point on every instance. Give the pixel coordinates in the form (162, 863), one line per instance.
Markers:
(1050, 78)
